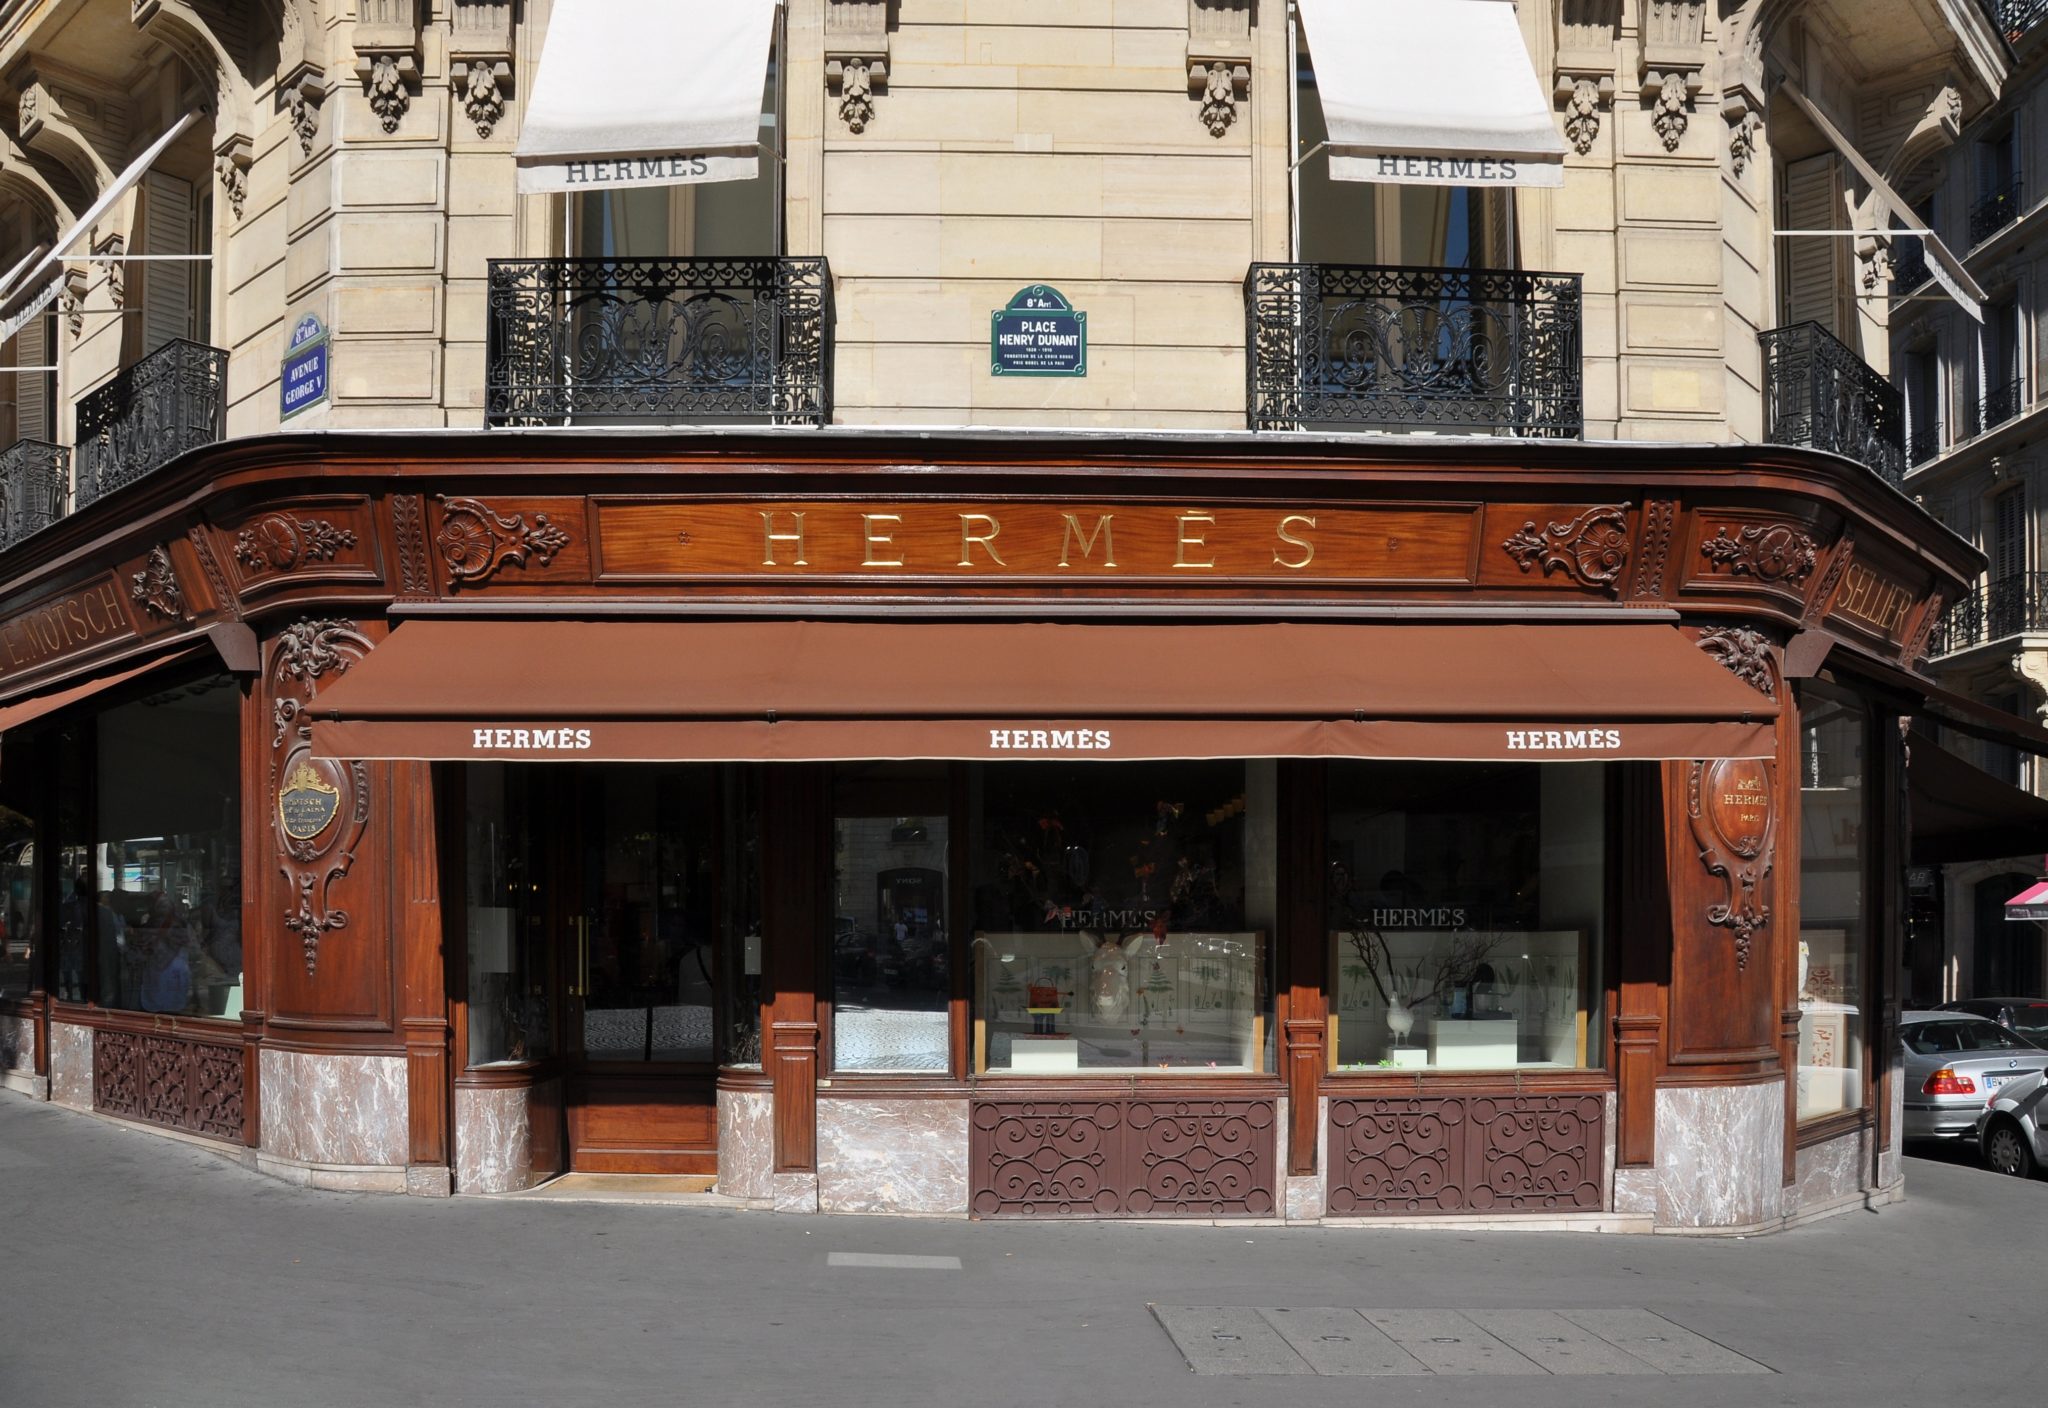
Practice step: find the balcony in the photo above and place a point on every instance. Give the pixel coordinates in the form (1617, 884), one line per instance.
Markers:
(1993, 611)
(1924, 444)
(1909, 261)
(2000, 404)
(2016, 17)
(659, 342)
(171, 401)
(35, 489)
(1820, 394)
(1994, 210)
(1378, 347)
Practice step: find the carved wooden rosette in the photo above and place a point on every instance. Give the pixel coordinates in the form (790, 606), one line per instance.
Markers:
(307, 653)
(476, 540)
(1591, 549)
(279, 542)
(1773, 552)
(1731, 803)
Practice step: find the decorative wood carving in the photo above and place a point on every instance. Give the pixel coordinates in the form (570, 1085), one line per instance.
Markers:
(209, 563)
(1466, 1153)
(1744, 652)
(280, 542)
(1592, 548)
(1660, 522)
(1916, 648)
(312, 862)
(1838, 562)
(1769, 552)
(476, 540)
(197, 1087)
(155, 588)
(1197, 1156)
(1732, 805)
(408, 525)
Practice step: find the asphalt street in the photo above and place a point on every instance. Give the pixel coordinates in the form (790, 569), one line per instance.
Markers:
(141, 1271)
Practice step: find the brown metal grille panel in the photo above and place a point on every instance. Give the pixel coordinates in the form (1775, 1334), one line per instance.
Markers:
(170, 1081)
(1124, 1158)
(1466, 1154)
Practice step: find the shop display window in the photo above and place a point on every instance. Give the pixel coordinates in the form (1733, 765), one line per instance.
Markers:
(740, 906)
(892, 973)
(1467, 910)
(1122, 916)
(1834, 942)
(154, 910)
(510, 1016)
(20, 902)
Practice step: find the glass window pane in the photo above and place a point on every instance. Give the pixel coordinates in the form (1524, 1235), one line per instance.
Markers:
(20, 901)
(1833, 938)
(510, 1019)
(1467, 905)
(740, 902)
(1122, 913)
(165, 881)
(892, 972)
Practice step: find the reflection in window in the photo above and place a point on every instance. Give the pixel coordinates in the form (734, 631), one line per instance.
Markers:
(1122, 913)
(509, 1016)
(159, 905)
(1833, 938)
(892, 972)
(1466, 906)
(20, 905)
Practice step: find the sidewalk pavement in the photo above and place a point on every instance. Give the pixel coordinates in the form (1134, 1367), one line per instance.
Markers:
(142, 1271)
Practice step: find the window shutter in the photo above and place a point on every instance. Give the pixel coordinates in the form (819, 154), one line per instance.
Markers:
(1812, 269)
(167, 226)
(2009, 535)
(32, 347)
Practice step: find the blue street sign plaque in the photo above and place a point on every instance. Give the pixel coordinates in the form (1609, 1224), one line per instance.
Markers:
(1039, 334)
(302, 378)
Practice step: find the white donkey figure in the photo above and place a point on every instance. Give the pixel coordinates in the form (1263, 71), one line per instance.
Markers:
(1109, 972)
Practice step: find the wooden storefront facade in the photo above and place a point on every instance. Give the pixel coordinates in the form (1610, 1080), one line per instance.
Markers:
(588, 615)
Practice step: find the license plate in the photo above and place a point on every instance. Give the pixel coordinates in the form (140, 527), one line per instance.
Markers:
(1993, 1082)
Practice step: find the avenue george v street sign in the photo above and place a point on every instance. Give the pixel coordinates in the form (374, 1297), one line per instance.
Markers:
(1038, 334)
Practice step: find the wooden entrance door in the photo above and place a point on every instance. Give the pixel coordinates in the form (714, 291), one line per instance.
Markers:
(641, 885)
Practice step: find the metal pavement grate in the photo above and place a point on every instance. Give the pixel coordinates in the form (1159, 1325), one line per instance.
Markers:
(1348, 1343)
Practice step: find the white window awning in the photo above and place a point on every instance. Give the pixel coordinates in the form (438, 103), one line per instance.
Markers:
(1431, 93)
(646, 93)
(83, 225)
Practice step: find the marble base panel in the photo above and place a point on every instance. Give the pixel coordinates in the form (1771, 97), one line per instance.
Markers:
(746, 1144)
(1826, 1173)
(71, 1065)
(494, 1137)
(18, 1044)
(1306, 1197)
(334, 1111)
(796, 1192)
(1720, 1155)
(1635, 1191)
(901, 1156)
(333, 1178)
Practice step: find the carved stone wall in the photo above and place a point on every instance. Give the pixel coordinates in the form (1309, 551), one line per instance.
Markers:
(1408, 1155)
(171, 1081)
(1080, 1157)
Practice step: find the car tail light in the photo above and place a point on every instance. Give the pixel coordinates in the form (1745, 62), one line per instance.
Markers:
(1947, 1082)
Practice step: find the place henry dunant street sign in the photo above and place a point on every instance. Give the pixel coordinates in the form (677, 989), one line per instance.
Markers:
(1038, 334)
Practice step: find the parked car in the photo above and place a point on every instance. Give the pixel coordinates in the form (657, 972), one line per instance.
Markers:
(1953, 1061)
(2026, 1015)
(2012, 1133)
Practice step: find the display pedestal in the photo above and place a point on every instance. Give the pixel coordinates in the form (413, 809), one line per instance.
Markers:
(1044, 1053)
(1407, 1056)
(1472, 1046)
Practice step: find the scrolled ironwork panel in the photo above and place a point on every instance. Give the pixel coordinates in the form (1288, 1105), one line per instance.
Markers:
(2010, 606)
(35, 489)
(651, 341)
(171, 401)
(1124, 1157)
(194, 1086)
(1819, 393)
(1484, 351)
(1428, 1155)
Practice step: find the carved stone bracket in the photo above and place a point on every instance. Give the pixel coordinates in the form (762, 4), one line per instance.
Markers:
(480, 53)
(1674, 55)
(1220, 86)
(1219, 59)
(476, 540)
(231, 164)
(111, 247)
(1584, 97)
(278, 543)
(1592, 549)
(387, 56)
(1774, 552)
(1669, 97)
(320, 806)
(856, 57)
(155, 588)
(1731, 803)
(1745, 653)
(481, 85)
(1745, 123)
(71, 301)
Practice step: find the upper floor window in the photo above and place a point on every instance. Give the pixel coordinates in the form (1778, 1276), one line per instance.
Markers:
(1998, 182)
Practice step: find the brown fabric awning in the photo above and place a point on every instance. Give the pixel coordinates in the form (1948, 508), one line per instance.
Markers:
(815, 690)
(1962, 813)
(28, 710)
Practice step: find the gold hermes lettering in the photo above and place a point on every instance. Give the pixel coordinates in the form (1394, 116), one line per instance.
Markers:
(771, 538)
(879, 541)
(987, 539)
(1193, 540)
(1102, 530)
(1308, 549)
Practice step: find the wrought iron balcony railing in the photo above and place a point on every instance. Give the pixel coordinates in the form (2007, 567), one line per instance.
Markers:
(1994, 210)
(1482, 351)
(2000, 404)
(1924, 443)
(1909, 262)
(171, 401)
(2016, 17)
(659, 341)
(1819, 393)
(35, 488)
(1993, 611)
